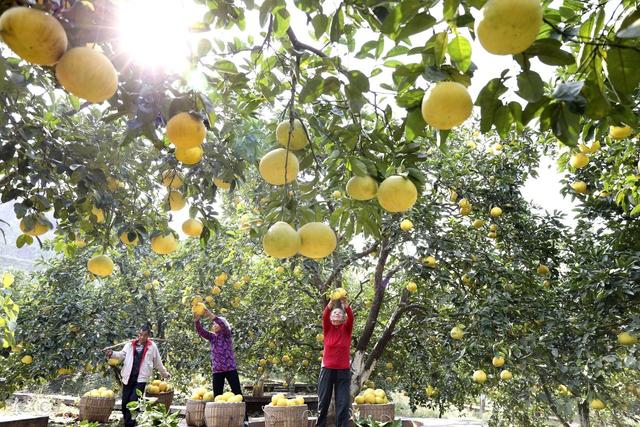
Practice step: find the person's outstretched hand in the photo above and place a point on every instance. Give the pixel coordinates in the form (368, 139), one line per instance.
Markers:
(108, 353)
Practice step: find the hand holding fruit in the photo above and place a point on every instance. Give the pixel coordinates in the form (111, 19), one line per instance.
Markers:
(108, 353)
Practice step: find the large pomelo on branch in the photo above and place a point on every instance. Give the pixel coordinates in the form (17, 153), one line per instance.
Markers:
(185, 130)
(33, 35)
(100, 265)
(446, 105)
(33, 226)
(509, 27)
(126, 238)
(362, 188)
(281, 241)
(172, 178)
(189, 156)
(397, 194)
(298, 135)
(273, 164)
(164, 244)
(192, 227)
(87, 74)
(317, 240)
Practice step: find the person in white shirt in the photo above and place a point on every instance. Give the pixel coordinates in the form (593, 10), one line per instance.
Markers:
(140, 357)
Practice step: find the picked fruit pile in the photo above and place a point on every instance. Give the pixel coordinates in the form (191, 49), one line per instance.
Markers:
(281, 400)
(228, 397)
(202, 394)
(100, 392)
(372, 397)
(157, 387)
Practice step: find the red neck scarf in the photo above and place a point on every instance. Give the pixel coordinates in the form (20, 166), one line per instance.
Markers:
(134, 344)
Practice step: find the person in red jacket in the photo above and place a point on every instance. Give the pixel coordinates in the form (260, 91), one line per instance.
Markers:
(337, 325)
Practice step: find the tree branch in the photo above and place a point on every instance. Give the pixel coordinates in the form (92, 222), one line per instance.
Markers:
(387, 334)
(350, 261)
(552, 405)
(299, 46)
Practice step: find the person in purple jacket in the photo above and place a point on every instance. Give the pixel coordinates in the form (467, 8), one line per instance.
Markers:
(223, 361)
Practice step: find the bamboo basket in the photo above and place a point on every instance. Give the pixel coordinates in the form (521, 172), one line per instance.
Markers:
(222, 414)
(381, 413)
(165, 398)
(286, 416)
(96, 409)
(195, 412)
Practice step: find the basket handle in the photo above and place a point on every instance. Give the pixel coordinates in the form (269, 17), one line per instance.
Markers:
(388, 418)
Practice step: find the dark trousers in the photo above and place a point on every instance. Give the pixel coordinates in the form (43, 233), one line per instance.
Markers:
(231, 377)
(129, 395)
(340, 380)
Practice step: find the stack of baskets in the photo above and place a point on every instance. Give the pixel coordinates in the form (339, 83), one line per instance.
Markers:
(224, 414)
(286, 416)
(96, 409)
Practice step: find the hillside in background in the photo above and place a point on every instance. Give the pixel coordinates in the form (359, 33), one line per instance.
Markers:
(25, 258)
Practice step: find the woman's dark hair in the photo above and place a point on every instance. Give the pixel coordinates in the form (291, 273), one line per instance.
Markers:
(146, 328)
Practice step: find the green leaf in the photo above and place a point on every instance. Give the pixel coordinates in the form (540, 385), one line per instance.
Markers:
(489, 101)
(311, 90)
(337, 26)
(204, 46)
(281, 22)
(410, 98)
(437, 45)
(320, 23)
(530, 86)
(358, 167)
(417, 24)
(630, 32)
(564, 123)
(460, 53)
(225, 66)
(451, 9)
(358, 80)
(414, 125)
(549, 52)
(623, 66)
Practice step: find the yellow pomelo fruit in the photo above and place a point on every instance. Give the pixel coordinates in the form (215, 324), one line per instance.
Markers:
(33, 35)
(620, 132)
(185, 131)
(597, 404)
(543, 269)
(198, 308)
(625, 338)
(588, 149)
(164, 244)
(189, 156)
(579, 160)
(87, 74)
(176, 201)
(412, 287)
(124, 238)
(479, 376)
(98, 213)
(272, 166)
(495, 212)
(362, 188)
(113, 361)
(446, 105)
(100, 265)
(579, 187)
(298, 136)
(192, 227)
(37, 229)
(431, 391)
(456, 333)
(172, 178)
(27, 360)
(281, 241)
(506, 375)
(397, 194)
(508, 27)
(498, 361)
(406, 225)
(317, 240)
(221, 184)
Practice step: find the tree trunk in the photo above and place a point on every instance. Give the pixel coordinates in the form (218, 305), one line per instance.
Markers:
(359, 373)
(583, 413)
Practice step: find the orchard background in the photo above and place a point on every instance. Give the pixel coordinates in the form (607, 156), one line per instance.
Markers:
(557, 299)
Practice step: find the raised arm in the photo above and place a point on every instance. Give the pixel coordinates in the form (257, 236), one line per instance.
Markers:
(326, 317)
(202, 331)
(349, 322)
(119, 354)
